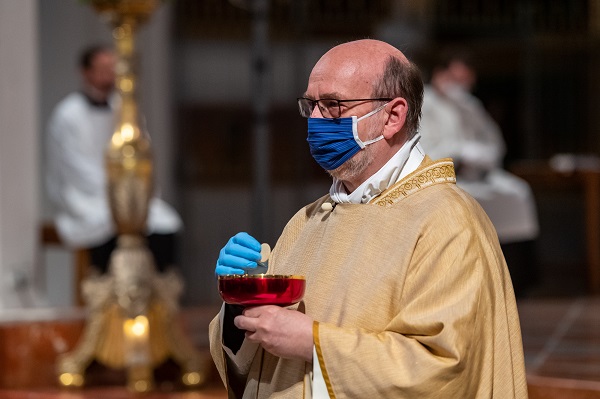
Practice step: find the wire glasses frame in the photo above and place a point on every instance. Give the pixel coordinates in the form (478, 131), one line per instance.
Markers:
(329, 107)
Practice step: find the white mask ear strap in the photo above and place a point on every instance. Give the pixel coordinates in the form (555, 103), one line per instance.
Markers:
(372, 112)
(363, 144)
(376, 139)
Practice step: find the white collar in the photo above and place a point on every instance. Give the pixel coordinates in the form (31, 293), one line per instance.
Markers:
(406, 160)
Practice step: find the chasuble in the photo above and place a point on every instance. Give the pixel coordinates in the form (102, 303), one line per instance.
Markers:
(410, 295)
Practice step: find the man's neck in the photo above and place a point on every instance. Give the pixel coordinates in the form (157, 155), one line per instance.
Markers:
(378, 163)
(400, 164)
(95, 95)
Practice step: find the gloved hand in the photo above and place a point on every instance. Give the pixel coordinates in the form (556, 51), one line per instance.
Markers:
(240, 253)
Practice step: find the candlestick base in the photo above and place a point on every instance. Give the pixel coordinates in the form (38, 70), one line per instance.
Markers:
(132, 288)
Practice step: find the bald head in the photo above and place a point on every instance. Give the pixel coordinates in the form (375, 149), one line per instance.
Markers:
(366, 52)
(369, 69)
(359, 63)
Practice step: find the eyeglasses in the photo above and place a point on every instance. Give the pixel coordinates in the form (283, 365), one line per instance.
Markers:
(329, 107)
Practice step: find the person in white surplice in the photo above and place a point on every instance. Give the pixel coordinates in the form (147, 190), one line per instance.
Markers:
(78, 132)
(456, 124)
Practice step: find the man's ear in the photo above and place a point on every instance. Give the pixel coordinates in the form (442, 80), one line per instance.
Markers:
(396, 110)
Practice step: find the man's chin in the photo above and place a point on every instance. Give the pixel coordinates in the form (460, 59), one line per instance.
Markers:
(340, 172)
(351, 169)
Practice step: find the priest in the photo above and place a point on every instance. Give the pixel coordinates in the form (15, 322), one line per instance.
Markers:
(407, 291)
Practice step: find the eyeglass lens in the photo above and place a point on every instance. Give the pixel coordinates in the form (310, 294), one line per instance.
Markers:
(328, 108)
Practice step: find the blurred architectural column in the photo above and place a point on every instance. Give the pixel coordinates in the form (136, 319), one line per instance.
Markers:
(260, 99)
(594, 77)
(19, 149)
(530, 126)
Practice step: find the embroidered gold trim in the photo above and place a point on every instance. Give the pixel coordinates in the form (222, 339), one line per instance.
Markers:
(320, 359)
(441, 171)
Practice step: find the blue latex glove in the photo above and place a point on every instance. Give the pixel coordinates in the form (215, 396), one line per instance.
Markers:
(239, 254)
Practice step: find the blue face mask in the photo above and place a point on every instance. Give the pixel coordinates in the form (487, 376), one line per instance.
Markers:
(332, 141)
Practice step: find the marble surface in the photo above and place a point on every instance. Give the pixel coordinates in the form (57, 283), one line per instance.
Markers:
(32, 339)
(113, 393)
(561, 340)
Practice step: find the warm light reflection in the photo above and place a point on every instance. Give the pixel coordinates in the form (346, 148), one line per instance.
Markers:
(192, 378)
(126, 85)
(139, 326)
(141, 386)
(70, 379)
(128, 151)
(127, 131)
(136, 327)
(129, 163)
(137, 340)
(117, 141)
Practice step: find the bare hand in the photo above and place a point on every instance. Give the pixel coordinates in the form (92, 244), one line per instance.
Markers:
(283, 332)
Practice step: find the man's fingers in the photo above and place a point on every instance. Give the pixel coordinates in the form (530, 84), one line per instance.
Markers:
(246, 240)
(245, 323)
(224, 270)
(256, 311)
(236, 261)
(249, 320)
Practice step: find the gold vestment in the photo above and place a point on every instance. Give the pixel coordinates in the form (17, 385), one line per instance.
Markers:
(410, 295)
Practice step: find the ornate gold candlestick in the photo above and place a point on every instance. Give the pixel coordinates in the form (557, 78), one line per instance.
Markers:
(133, 309)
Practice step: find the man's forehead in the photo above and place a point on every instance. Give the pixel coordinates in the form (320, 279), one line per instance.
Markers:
(103, 58)
(341, 77)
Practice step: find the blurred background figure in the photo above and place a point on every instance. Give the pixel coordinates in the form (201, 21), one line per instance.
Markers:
(456, 124)
(77, 134)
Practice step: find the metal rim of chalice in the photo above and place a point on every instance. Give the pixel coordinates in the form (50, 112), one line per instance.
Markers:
(262, 276)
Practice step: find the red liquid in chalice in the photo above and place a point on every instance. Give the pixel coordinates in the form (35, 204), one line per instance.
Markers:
(261, 290)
